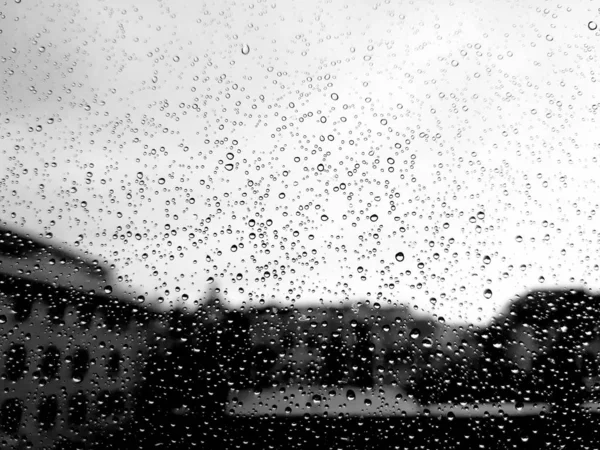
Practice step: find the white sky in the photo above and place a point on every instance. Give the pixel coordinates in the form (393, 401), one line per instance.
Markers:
(140, 103)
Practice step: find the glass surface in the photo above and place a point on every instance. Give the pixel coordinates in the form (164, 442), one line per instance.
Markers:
(315, 224)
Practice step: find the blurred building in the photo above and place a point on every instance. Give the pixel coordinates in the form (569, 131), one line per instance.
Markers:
(545, 337)
(71, 352)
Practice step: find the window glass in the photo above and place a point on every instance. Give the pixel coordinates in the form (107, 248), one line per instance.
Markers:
(273, 224)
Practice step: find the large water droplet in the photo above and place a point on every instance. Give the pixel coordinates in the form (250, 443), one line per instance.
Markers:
(487, 293)
(592, 25)
(415, 333)
(245, 49)
(350, 395)
(399, 256)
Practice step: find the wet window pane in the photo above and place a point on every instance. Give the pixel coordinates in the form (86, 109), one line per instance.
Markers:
(113, 363)
(11, 413)
(15, 362)
(51, 362)
(262, 224)
(47, 412)
(78, 409)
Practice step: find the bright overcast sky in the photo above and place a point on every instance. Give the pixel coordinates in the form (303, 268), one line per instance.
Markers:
(441, 154)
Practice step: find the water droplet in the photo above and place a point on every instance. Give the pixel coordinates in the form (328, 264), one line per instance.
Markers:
(519, 406)
(324, 218)
(592, 25)
(108, 289)
(415, 333)
(427, 343)
(350, 395)
(487, 293)
(229, 167)
(245, 49)
(316, 398)
(3, 319)
(334, 96)
(487, 259)
(374, 218)
(141, 299)
(399, 256)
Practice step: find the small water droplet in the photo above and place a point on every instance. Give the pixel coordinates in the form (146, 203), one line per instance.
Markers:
(108, 289)
(374, 218)
(415, 333)
(519, 406)
(592, 25)
(399, 256)
(487, 293)
(350, 395)
(245, 49)
(3, 319)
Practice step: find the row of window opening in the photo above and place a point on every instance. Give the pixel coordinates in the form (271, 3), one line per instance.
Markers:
(108, 405)
(16, 363)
